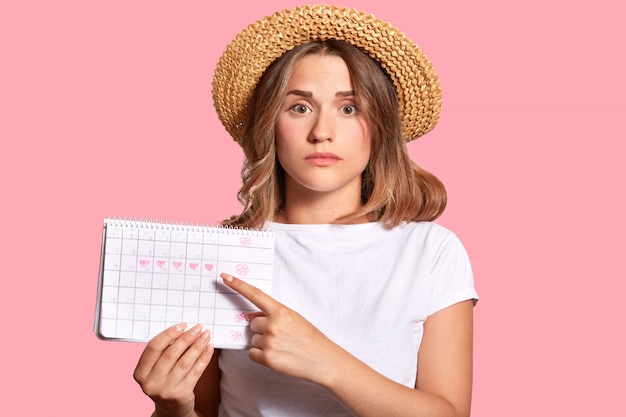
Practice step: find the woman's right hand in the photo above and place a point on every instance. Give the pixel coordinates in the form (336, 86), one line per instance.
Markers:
(170, 367)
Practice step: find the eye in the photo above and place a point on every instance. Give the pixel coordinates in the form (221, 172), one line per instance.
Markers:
(300, 108)
(348, 109)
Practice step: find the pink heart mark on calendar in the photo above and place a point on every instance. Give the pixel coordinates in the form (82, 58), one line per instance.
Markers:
(208, 267)
(193, 266)
(177, 264)
(161, 263)
(144, 262)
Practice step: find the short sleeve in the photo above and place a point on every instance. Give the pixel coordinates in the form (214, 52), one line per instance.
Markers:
(453, 278)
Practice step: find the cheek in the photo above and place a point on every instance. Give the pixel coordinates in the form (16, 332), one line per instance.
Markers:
(283, 143)
(283, 134)
(281, 146)
(363, 141)
(366, 154)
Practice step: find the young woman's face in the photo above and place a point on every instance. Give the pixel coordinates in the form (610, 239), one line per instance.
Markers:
(322, 139)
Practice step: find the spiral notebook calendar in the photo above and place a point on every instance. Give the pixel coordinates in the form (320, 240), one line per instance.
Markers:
(156, 274)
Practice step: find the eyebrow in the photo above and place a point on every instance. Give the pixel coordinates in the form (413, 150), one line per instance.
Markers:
(302, 93)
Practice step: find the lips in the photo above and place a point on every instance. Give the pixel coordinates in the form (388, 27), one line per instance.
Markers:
(322, 159)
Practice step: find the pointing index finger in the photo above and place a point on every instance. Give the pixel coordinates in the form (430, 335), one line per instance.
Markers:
(257, 297)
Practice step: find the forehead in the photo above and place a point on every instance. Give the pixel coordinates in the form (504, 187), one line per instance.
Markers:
(318, 69)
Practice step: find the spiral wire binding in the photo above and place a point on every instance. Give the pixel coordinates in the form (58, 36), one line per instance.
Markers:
(183, 226)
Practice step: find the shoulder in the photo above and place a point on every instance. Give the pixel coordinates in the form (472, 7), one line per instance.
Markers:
(424, 231)
(429, 241)
(431, 228)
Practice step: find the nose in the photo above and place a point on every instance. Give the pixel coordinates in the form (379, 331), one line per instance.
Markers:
(324, 127)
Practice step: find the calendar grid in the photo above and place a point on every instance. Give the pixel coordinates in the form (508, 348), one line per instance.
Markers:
(156, 274)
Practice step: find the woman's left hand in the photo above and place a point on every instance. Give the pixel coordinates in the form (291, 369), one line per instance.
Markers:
(282, 339)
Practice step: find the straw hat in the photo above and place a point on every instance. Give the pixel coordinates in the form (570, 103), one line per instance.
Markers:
(245, 59)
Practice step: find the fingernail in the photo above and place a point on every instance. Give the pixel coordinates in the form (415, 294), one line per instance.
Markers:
(180, 327)
(196, 329)
(226, 277)
(206, 335)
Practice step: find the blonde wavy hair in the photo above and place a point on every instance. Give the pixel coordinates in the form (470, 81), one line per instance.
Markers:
(394, 189)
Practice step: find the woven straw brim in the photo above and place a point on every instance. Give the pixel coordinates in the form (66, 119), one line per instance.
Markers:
(245, 59)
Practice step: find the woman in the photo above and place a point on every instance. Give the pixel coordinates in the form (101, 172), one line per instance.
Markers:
(366, 287)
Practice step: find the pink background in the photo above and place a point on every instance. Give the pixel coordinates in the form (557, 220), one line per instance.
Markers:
(106, 111)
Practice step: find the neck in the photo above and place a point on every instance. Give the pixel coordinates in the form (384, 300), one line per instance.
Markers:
(317, 208)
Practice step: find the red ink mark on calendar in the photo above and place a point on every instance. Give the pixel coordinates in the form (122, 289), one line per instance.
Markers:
(144, 262)
(208, 267)
(161, 263)
(193, 266)
(245, 241)
(242, 269)
(236, 335)
(177, 264)
(240, 317)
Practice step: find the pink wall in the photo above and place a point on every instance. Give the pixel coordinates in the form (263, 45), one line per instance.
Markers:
(105, 110)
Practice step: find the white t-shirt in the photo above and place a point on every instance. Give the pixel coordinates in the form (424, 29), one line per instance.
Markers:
(369, 289)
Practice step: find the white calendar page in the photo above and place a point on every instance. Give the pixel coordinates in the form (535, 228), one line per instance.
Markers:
(154, 275)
